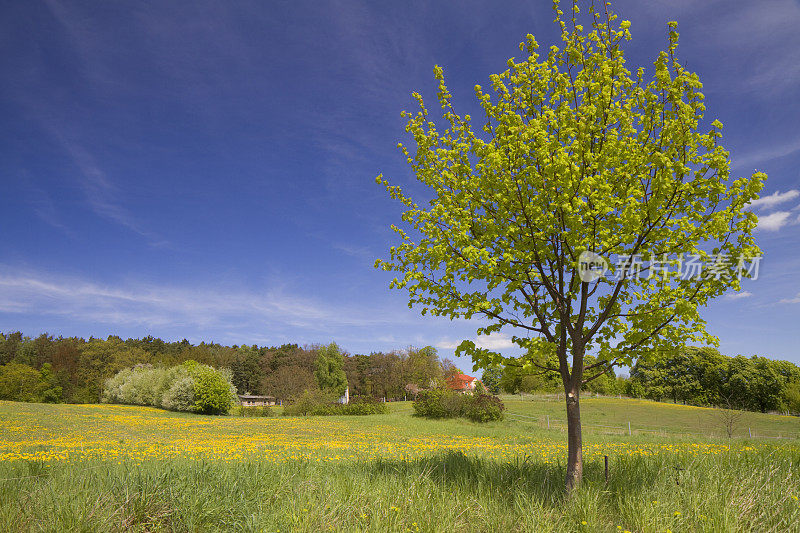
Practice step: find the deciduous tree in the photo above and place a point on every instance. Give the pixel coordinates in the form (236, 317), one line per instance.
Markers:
(329, 369)
(574, 153)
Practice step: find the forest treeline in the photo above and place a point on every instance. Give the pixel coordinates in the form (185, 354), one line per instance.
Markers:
(73, 369)
(689, 375)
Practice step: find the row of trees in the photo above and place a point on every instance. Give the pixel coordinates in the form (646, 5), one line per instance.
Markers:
(73, 369)
(703, 376)
(689, 375)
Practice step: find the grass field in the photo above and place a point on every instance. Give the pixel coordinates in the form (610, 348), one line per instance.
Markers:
(611, 415)
(115, 468)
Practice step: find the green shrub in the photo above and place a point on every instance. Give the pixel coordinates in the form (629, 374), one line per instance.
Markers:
(484, 408)
(180, 396)
(311, 402)
(142, 385)
(439, 403)
(443, 403)
(364, 405)
(212, 392)
(429, 404)
(454, 403)
(320, 403)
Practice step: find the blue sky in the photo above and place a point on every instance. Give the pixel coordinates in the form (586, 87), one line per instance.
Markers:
(206, 170)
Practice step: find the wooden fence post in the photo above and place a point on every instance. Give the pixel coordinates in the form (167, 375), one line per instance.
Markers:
(629, 428)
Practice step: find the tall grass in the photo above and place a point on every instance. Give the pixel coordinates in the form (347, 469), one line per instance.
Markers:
(752, 491)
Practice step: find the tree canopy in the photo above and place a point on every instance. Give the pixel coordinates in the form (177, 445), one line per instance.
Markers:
(329, 369)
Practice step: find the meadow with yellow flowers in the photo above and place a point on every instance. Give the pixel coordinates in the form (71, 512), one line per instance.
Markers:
(126, 468)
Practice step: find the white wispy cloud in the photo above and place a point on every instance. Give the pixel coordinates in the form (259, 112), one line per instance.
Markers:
(359, 252)
(101, 193)
(152, 305)
(494, 341)
(773, 221)
(795, 300)
(757, 30)
(767, 153)
(43, 206)
(739, 295)
(773, 199)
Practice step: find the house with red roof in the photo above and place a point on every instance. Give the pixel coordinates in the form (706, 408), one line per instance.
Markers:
(462, 383)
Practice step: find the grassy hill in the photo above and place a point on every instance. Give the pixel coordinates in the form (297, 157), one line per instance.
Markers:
(612, 415)
(122, 468)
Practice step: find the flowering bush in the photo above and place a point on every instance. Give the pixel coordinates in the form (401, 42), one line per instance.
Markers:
(188, 387)
(180, 396)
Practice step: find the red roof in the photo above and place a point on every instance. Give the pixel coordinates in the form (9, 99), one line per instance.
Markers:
(460, 382)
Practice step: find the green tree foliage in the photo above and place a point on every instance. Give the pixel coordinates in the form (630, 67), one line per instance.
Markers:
(792, 397)
(573, 153)
(214, 394)
(9, 346)
(50, 391)
(391, 375)
(531, 375)
(288, 382)
(247, 370)
(491, 379)
(99, 360)
(703, 376)
(422, 366)
(18, 382)
(602, 383)
(23, 383)
(359, 370)
(329, 369)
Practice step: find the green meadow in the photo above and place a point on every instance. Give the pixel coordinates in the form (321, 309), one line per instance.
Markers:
(125, 468)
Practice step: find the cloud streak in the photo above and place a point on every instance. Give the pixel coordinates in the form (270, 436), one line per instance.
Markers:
(739, 295)
(100, 192)
(137, 304)
(767, 153)
(795, 300)
(773, 199)
(494, 341)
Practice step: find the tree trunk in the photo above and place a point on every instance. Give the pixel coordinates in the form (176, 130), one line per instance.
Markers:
(574, 441)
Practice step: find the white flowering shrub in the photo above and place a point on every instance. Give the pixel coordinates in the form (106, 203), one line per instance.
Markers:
(191, 387)
(180, 396)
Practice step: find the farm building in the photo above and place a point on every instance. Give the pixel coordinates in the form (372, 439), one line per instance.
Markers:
(249, 400)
